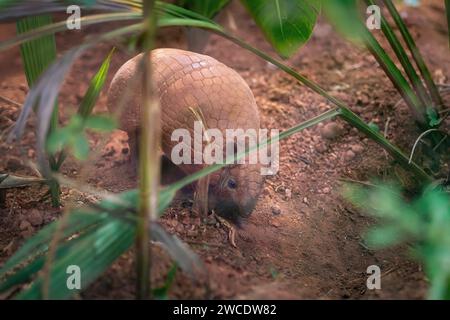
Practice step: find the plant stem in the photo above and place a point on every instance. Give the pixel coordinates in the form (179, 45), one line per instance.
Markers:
(394, 74)
(149, 165)
(404, 60)
(434, 92)
(55, 188)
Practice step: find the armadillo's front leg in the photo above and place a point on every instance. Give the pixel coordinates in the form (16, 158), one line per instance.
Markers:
(201, 197)
(133, 144)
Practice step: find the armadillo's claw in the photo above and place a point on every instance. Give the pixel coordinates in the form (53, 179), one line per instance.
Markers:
(231, 229)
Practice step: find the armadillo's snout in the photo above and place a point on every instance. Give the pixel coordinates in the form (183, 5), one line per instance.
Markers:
(233, 211)
(248, 207)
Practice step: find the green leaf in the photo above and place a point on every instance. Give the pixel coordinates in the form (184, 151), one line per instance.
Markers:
(207, 8)
(415, 53)
(61, 26)
(100, 123)
(95, 87)
(374, 126)
(91, 239)
(22, 8)
(162, 292)
(38, 53)
(423, 224)
(58, 139)
(286, 24)
(395, 75)
(382, 237)
(433, 117)
(402, 56)
(92, 253)
(80, 147)
(38, 243)
(345, 16)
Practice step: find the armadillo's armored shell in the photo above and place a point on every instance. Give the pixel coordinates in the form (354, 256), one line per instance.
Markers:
(186, 80)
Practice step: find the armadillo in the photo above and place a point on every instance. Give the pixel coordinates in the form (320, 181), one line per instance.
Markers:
(186, 80)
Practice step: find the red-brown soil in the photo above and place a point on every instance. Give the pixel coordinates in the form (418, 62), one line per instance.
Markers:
(303, 241)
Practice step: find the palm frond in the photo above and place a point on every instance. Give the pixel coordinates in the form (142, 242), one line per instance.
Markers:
(11, 10)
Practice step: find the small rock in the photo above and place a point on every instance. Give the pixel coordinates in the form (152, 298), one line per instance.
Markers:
(305, 200)
(10, 248)
(320, 147)
(326, 190)
(35, 217)
(173, 223)
(210, 220)
(186, 220)
(275, 223)
(179, 228)
(357, 148)
(331, 131)
(271, 66)
(27, 233)
(109, 152)
(24, 224)
(192, 233)
(349, 155)
(13, 164)
(440, 76)
(288, 194)
(276, 210)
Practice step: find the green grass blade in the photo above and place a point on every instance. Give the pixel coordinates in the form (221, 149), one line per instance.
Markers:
(14, 9)
(62, 26)
(95, 87)
(434, 92)
(396, 77)
(404, 60)
(9, 181)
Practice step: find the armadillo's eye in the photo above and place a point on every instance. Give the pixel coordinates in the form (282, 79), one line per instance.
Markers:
(231, 183)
